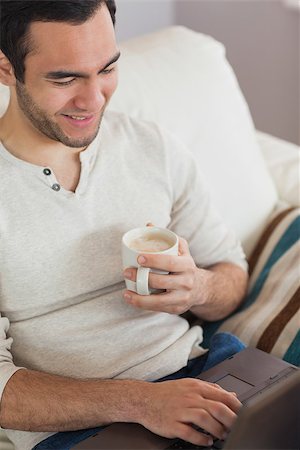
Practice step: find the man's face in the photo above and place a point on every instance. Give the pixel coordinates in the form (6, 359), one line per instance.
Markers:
(69, 78)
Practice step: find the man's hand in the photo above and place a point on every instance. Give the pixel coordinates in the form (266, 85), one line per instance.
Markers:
(174, 408)
(181, 285)
(211, 293)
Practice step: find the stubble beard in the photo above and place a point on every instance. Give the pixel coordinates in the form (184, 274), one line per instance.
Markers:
(45, 125)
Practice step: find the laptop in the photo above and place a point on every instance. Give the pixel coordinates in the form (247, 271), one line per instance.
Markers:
(269, 389)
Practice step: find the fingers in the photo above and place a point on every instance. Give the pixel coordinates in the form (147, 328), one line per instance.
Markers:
(221, 413)
(187, 433)
(203, 419)
(173, 302)
(213, 392)
(168, 263)
(222, 406)
(216, 416)
(157, 281)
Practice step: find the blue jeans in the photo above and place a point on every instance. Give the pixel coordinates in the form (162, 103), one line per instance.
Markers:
(222, 346)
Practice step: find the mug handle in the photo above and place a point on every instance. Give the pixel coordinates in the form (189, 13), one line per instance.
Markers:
(142, 280)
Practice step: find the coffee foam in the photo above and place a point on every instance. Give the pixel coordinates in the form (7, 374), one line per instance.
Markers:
(151, 243)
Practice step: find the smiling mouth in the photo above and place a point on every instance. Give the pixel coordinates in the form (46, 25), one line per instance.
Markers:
(77, 117)
(79, 122)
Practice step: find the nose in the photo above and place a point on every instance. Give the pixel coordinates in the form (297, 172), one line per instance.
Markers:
(90, 97)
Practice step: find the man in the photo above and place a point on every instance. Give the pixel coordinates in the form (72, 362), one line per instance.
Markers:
(77, 351)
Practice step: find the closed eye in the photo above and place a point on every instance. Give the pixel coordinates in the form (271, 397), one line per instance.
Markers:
(107, 71)
(64, 83)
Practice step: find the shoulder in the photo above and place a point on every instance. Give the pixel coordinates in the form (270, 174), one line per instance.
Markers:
(120, 124)
(145, 135)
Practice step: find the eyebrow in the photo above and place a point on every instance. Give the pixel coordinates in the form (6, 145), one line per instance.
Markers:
(56, 75)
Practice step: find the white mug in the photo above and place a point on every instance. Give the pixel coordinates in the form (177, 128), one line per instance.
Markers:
(153, 240)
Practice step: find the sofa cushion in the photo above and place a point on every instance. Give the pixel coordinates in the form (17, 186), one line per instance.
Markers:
(181, 80)
(283, 162)
(269, 318)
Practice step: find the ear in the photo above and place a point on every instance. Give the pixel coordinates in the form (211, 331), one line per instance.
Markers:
(7, 75)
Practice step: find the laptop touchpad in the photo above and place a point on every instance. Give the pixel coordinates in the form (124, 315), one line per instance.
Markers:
(234, 384)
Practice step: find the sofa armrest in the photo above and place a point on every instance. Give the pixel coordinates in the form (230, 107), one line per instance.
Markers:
(283, 161)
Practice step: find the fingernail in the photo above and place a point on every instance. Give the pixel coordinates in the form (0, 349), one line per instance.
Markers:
(127, 274)
(141, 260)
(210, 442)
(224, 436)
(127, 296)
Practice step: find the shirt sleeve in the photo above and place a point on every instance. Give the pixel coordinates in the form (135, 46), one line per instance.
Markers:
(7, 367)
(194, 217)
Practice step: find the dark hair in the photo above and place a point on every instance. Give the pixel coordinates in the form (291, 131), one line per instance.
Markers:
(16, 17)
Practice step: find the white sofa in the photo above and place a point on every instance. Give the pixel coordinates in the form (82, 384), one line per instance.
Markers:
(182, 80)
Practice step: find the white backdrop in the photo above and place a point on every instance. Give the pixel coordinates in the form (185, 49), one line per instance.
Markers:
(262, 42)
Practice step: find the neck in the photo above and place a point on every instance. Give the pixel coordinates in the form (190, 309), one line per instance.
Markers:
(25, 142)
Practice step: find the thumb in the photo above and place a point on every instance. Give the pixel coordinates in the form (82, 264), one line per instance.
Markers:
(183, 247)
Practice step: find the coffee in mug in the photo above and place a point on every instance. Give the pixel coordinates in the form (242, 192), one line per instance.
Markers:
(150, 243)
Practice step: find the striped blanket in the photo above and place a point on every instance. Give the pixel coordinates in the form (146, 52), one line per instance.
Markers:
(269, 317)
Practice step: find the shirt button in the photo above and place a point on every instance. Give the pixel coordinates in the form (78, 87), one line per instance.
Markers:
(47, 171)
(55, 187)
